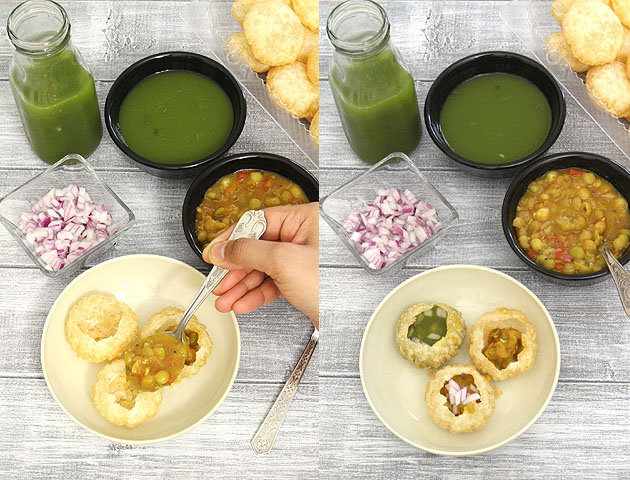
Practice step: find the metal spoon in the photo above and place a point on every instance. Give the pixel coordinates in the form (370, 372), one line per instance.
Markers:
(266, 435)
(251, 225)
(621, 278)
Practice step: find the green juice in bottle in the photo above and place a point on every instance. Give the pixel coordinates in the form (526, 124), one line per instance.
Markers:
(372, 87)
(53, 89)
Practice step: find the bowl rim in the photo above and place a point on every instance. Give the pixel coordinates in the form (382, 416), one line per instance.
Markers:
(547, 161)
(155, 440)
(552, 136)
(118, 139)
(203, 176)
(502, 442)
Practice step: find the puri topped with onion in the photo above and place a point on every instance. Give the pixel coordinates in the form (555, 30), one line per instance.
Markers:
(566, 215)
(429, 334)
(459, 398)
(503, 344)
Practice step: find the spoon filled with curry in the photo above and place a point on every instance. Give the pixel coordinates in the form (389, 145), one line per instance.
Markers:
(156, 361)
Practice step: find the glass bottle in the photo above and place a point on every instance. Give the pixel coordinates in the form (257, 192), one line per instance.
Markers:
(53, 89)
(372, 87)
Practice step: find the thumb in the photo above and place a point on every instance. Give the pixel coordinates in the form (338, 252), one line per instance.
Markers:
(242, 253)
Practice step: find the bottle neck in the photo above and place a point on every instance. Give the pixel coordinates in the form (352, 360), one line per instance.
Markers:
(38, 28)
(358, 28)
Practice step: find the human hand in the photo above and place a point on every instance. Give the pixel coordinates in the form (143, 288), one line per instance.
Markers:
(282, 264)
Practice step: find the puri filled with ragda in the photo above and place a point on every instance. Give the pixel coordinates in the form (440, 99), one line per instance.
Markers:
(127, 390)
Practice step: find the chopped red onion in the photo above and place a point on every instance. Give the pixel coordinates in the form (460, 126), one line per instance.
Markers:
(460, 395)
(391, 225)
(64, 225)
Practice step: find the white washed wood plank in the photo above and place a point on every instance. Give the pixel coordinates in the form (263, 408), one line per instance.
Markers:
(111, 35)
(432, 35)
(272, 338)
(39, 441)
(582, 434)
(592, 326)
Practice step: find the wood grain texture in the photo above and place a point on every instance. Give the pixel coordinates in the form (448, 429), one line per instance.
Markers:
(584, 431)
(582, 434)
(38, 440)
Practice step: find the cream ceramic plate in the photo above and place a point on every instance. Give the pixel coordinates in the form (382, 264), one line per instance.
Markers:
(395, 388)
(148, 283)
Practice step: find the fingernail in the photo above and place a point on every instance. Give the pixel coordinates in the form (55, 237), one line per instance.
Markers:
(218, 252)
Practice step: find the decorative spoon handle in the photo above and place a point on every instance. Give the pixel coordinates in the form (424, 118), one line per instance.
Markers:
(252, 224)
(266, 435)
(621, 278)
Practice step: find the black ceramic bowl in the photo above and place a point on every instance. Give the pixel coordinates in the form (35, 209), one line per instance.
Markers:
(597, 164)
(174, 61)
(493, 62)
(244, 161)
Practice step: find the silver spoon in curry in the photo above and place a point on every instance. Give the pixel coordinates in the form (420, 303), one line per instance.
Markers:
(157, 360)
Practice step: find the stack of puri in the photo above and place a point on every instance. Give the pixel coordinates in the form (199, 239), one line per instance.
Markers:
(280, 38)
(595, 39)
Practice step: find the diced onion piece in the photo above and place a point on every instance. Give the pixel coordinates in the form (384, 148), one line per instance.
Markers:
(433, 336)
(471, 398)
(453, 384)
(394, 223)
(65, 224)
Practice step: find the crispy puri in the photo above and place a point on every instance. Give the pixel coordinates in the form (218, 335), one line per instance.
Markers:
(622, 56)
(120, 403)
(593, 32)
(312, 67)
(292, 87)
(557, 43)
(474, 415)
(168, 318)
(560, 7)
(101, 328)
(241, 7)
(480, 339)
(239, 43)
(611, 86)
(311, 41)
(274, 33)
(308, 11)
(314, 128)
(622, 9)
(430, 356)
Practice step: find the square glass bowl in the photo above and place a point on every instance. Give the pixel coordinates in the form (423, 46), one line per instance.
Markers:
(70, 169)
(394, 171)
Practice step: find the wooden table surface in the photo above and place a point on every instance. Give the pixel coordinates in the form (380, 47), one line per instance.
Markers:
(585, 430)
(330, 430)
(37, 439)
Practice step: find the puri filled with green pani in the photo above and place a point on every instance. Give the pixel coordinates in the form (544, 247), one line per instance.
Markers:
(495, 118)
(176, 117)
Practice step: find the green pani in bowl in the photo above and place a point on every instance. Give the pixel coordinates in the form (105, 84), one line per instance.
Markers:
(176, 117)
(495, 118)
